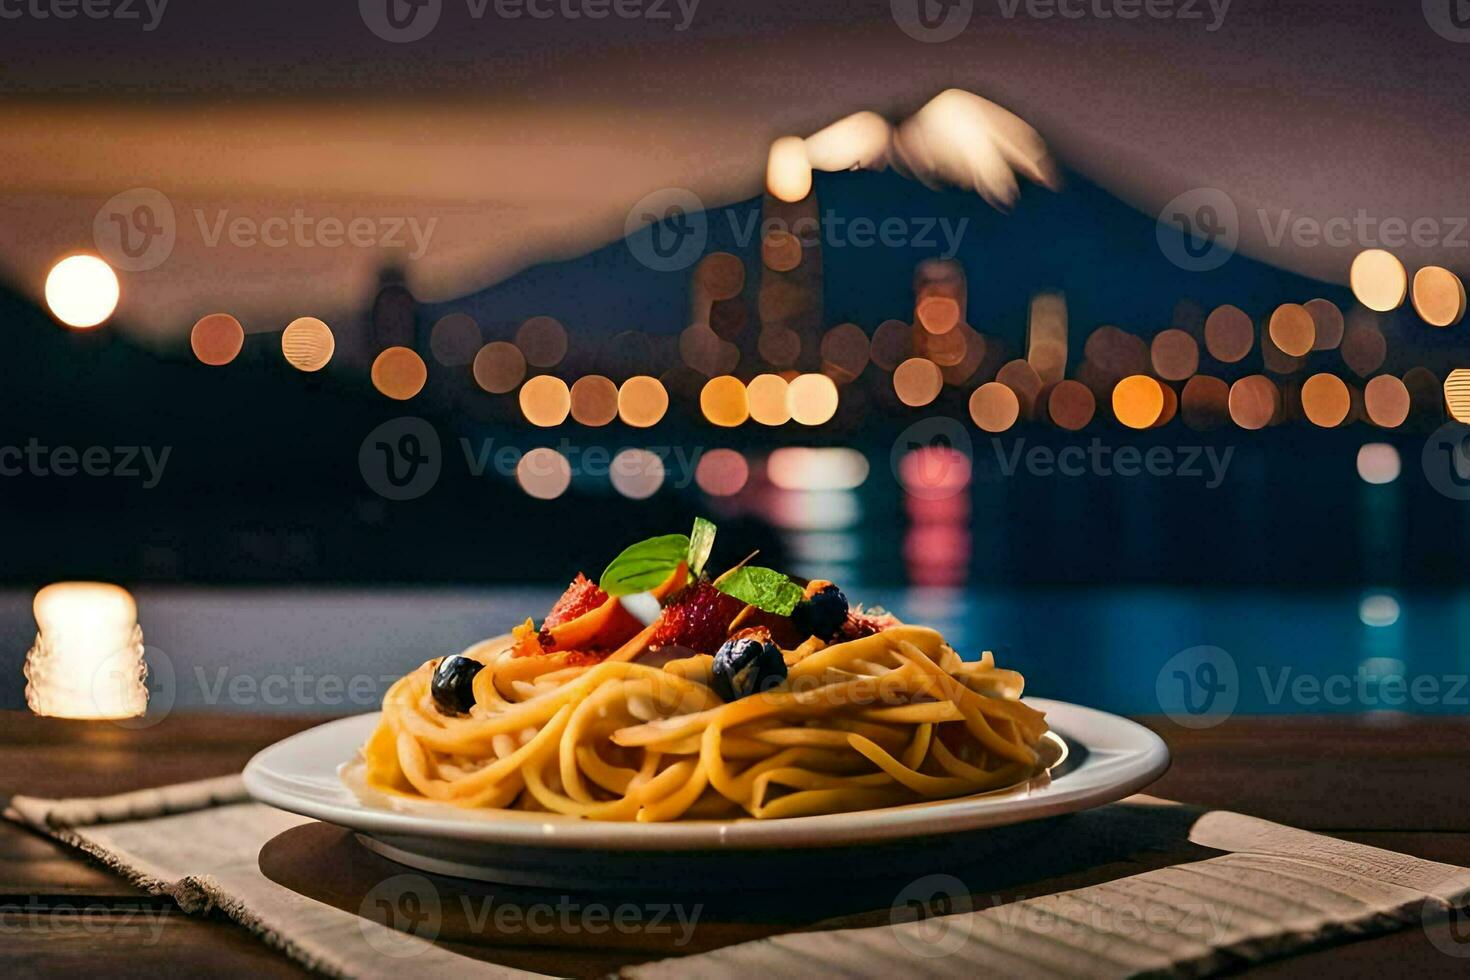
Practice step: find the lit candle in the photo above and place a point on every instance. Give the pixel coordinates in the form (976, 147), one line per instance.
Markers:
(87, 661)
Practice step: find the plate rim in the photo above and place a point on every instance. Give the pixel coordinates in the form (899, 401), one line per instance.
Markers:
(1143, 759)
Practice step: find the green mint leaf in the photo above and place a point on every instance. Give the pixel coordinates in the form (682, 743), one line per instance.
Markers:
(764, 588)
(644, 565)
(701, 543)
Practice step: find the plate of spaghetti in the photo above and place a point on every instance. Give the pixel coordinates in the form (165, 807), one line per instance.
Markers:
(665, 710)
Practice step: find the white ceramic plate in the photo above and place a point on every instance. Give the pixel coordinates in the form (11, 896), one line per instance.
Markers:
(1101, 758)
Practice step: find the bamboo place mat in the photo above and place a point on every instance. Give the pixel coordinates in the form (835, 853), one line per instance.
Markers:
(1139, 887)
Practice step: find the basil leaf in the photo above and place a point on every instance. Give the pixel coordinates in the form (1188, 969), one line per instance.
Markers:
(701, 543)
(764, 588)
(644, 565)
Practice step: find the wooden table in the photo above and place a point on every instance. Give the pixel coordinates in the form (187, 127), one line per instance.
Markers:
(1397, 783)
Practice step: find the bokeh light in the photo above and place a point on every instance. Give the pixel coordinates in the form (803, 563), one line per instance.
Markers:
(813, 399)
(399, 373)
(769, 400)
(722, 472)
(723, 401)
(1378, 280)
(637, 473)
(1138, 401)
(543, 341)
(1070, 404)
(780, 346)
(844, 352)
(937, 314)
(893, 342)
(780, 250)
(1021, 378)
(1378, 463)
(1254, 401)
(1229, 333)
(642, 402)
(1439, 296)
(821, 468)
(545, 400)
(1046, 336)
(788, 172)
(1325, 400)
(454, 340)
(722, 275)
(1327, 321)
(1457, 394)
(1292, 329)
(82, 291)
(1378, 609)
(1363, 345)
(917, 381)
(1205, 403)
(1175, 355)
(308, 344)
(217, 339)
(499, 367)
(594, 400)
(1386, 401)
(544, 473)
(994, 407)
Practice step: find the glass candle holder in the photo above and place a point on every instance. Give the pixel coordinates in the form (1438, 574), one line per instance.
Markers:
(87, 660)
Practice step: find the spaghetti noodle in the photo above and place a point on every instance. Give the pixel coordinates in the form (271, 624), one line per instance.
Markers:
(876, 716)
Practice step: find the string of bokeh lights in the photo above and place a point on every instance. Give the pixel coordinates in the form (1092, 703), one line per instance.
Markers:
(1139, 384)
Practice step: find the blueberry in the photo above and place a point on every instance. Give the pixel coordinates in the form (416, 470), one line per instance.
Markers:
(746, 666)
(453, 686)
(822, 613)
